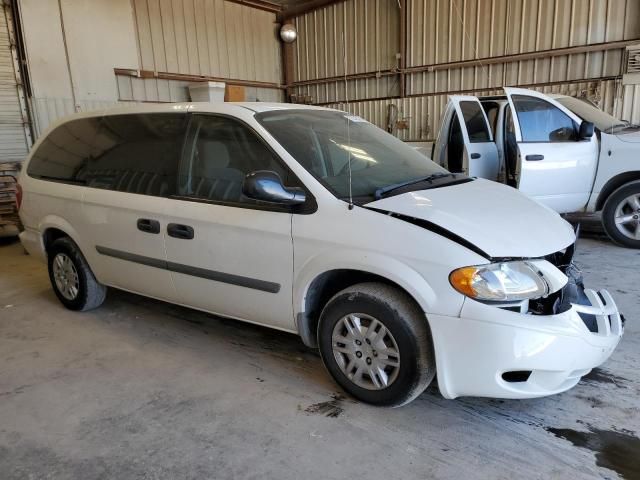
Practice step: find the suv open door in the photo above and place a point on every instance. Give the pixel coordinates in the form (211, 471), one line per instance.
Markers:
(465, 142)
(547, 155)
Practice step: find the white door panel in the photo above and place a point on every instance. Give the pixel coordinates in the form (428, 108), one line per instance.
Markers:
(480, 157)
(238, 264)
(440, 147)
(562, 176)
(123, 255)
(553, 166)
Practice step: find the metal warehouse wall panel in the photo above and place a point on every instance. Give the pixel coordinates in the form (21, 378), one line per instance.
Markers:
(207, 37)
(366, 31)
(439, 32)
(14, 133)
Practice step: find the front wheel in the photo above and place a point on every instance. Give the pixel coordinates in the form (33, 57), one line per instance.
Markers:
(621, 215)
(376, 344)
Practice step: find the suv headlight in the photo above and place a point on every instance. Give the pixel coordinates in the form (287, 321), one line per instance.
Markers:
(504, 282)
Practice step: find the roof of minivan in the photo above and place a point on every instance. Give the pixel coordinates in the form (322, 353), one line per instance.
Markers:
(219, 107)
(212, 107)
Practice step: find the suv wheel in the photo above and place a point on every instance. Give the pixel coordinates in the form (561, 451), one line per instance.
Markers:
(376, 343)
(621, 215)
(71, 278)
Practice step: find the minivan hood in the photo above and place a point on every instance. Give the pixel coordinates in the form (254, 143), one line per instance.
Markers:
(496, 218)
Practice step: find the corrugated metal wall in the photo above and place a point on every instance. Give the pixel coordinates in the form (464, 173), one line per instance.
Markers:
(14, 131)
(203, 37)
(363, 34)
(440, 32)
(73, 47)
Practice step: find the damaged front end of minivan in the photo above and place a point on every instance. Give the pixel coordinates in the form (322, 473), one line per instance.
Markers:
(530, 347)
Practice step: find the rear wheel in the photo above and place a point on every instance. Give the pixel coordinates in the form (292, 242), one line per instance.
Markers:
(375, 342)
(71, 278)
(621, 215)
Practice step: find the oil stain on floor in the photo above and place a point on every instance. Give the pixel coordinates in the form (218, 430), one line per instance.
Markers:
(598, 375)
(332, 408)
(616, 450)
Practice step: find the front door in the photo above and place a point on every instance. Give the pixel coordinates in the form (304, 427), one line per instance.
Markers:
(229, 254)
(547, 159)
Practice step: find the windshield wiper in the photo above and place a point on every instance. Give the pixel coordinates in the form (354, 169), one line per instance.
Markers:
(430, 178)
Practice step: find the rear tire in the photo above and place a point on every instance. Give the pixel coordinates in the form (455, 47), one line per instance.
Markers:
(71, 278)
(621, 215)
(376, 343)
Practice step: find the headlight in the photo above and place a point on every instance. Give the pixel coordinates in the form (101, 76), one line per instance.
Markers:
(503, 282)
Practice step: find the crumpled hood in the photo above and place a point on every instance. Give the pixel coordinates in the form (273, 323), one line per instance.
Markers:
(496, 218)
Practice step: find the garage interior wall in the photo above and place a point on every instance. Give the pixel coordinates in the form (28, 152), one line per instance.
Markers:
(73, 47)
(443, 42)
(15, 135)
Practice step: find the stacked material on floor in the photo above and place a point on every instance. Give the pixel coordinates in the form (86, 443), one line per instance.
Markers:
(9, 220)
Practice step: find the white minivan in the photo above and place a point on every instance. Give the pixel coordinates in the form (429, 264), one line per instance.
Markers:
(560, 150)
(315, 222)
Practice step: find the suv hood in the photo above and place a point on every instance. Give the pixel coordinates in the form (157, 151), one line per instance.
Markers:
(496, 218)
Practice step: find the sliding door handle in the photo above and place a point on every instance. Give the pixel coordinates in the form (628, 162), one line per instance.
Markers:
(148, 226)
(184, 232)
(534, 157)
(475, 155)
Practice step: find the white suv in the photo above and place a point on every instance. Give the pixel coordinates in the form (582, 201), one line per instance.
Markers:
(313, 221)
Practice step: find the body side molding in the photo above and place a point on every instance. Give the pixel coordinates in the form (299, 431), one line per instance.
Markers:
(247, 282)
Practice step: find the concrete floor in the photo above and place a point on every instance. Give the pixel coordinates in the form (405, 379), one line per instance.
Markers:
(143, 389)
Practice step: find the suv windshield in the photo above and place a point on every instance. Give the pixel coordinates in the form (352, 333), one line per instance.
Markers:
(322, 142)
(602, 120)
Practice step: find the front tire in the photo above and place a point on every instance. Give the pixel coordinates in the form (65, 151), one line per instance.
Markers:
(621, 215)
(376, 344)
(71, 278)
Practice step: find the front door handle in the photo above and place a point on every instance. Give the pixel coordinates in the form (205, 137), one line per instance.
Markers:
(475, 155)
(176, 230)
(148, 226)
(534, 157)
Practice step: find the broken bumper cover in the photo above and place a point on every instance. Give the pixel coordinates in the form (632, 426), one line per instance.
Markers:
(540, 354)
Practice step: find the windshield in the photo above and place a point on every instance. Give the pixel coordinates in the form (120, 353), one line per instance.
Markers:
(322, 141)
(602, 120)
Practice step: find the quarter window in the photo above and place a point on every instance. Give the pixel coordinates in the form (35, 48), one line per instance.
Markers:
(541, 121)
(63, 153)
(219, 153)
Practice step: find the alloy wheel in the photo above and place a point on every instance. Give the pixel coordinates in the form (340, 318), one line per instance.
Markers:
(627, 217)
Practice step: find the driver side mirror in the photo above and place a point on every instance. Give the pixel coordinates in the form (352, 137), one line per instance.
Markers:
(266, 186)
(586, 130)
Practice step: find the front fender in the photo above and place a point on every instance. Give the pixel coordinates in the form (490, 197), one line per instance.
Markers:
(370, 262)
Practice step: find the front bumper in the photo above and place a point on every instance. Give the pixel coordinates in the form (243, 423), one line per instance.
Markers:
(545, 354)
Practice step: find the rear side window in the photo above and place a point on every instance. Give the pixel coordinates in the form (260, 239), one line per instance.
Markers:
(541, 121)
(137, 153)
(65, 151)
(475, 122)
(134, 153)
